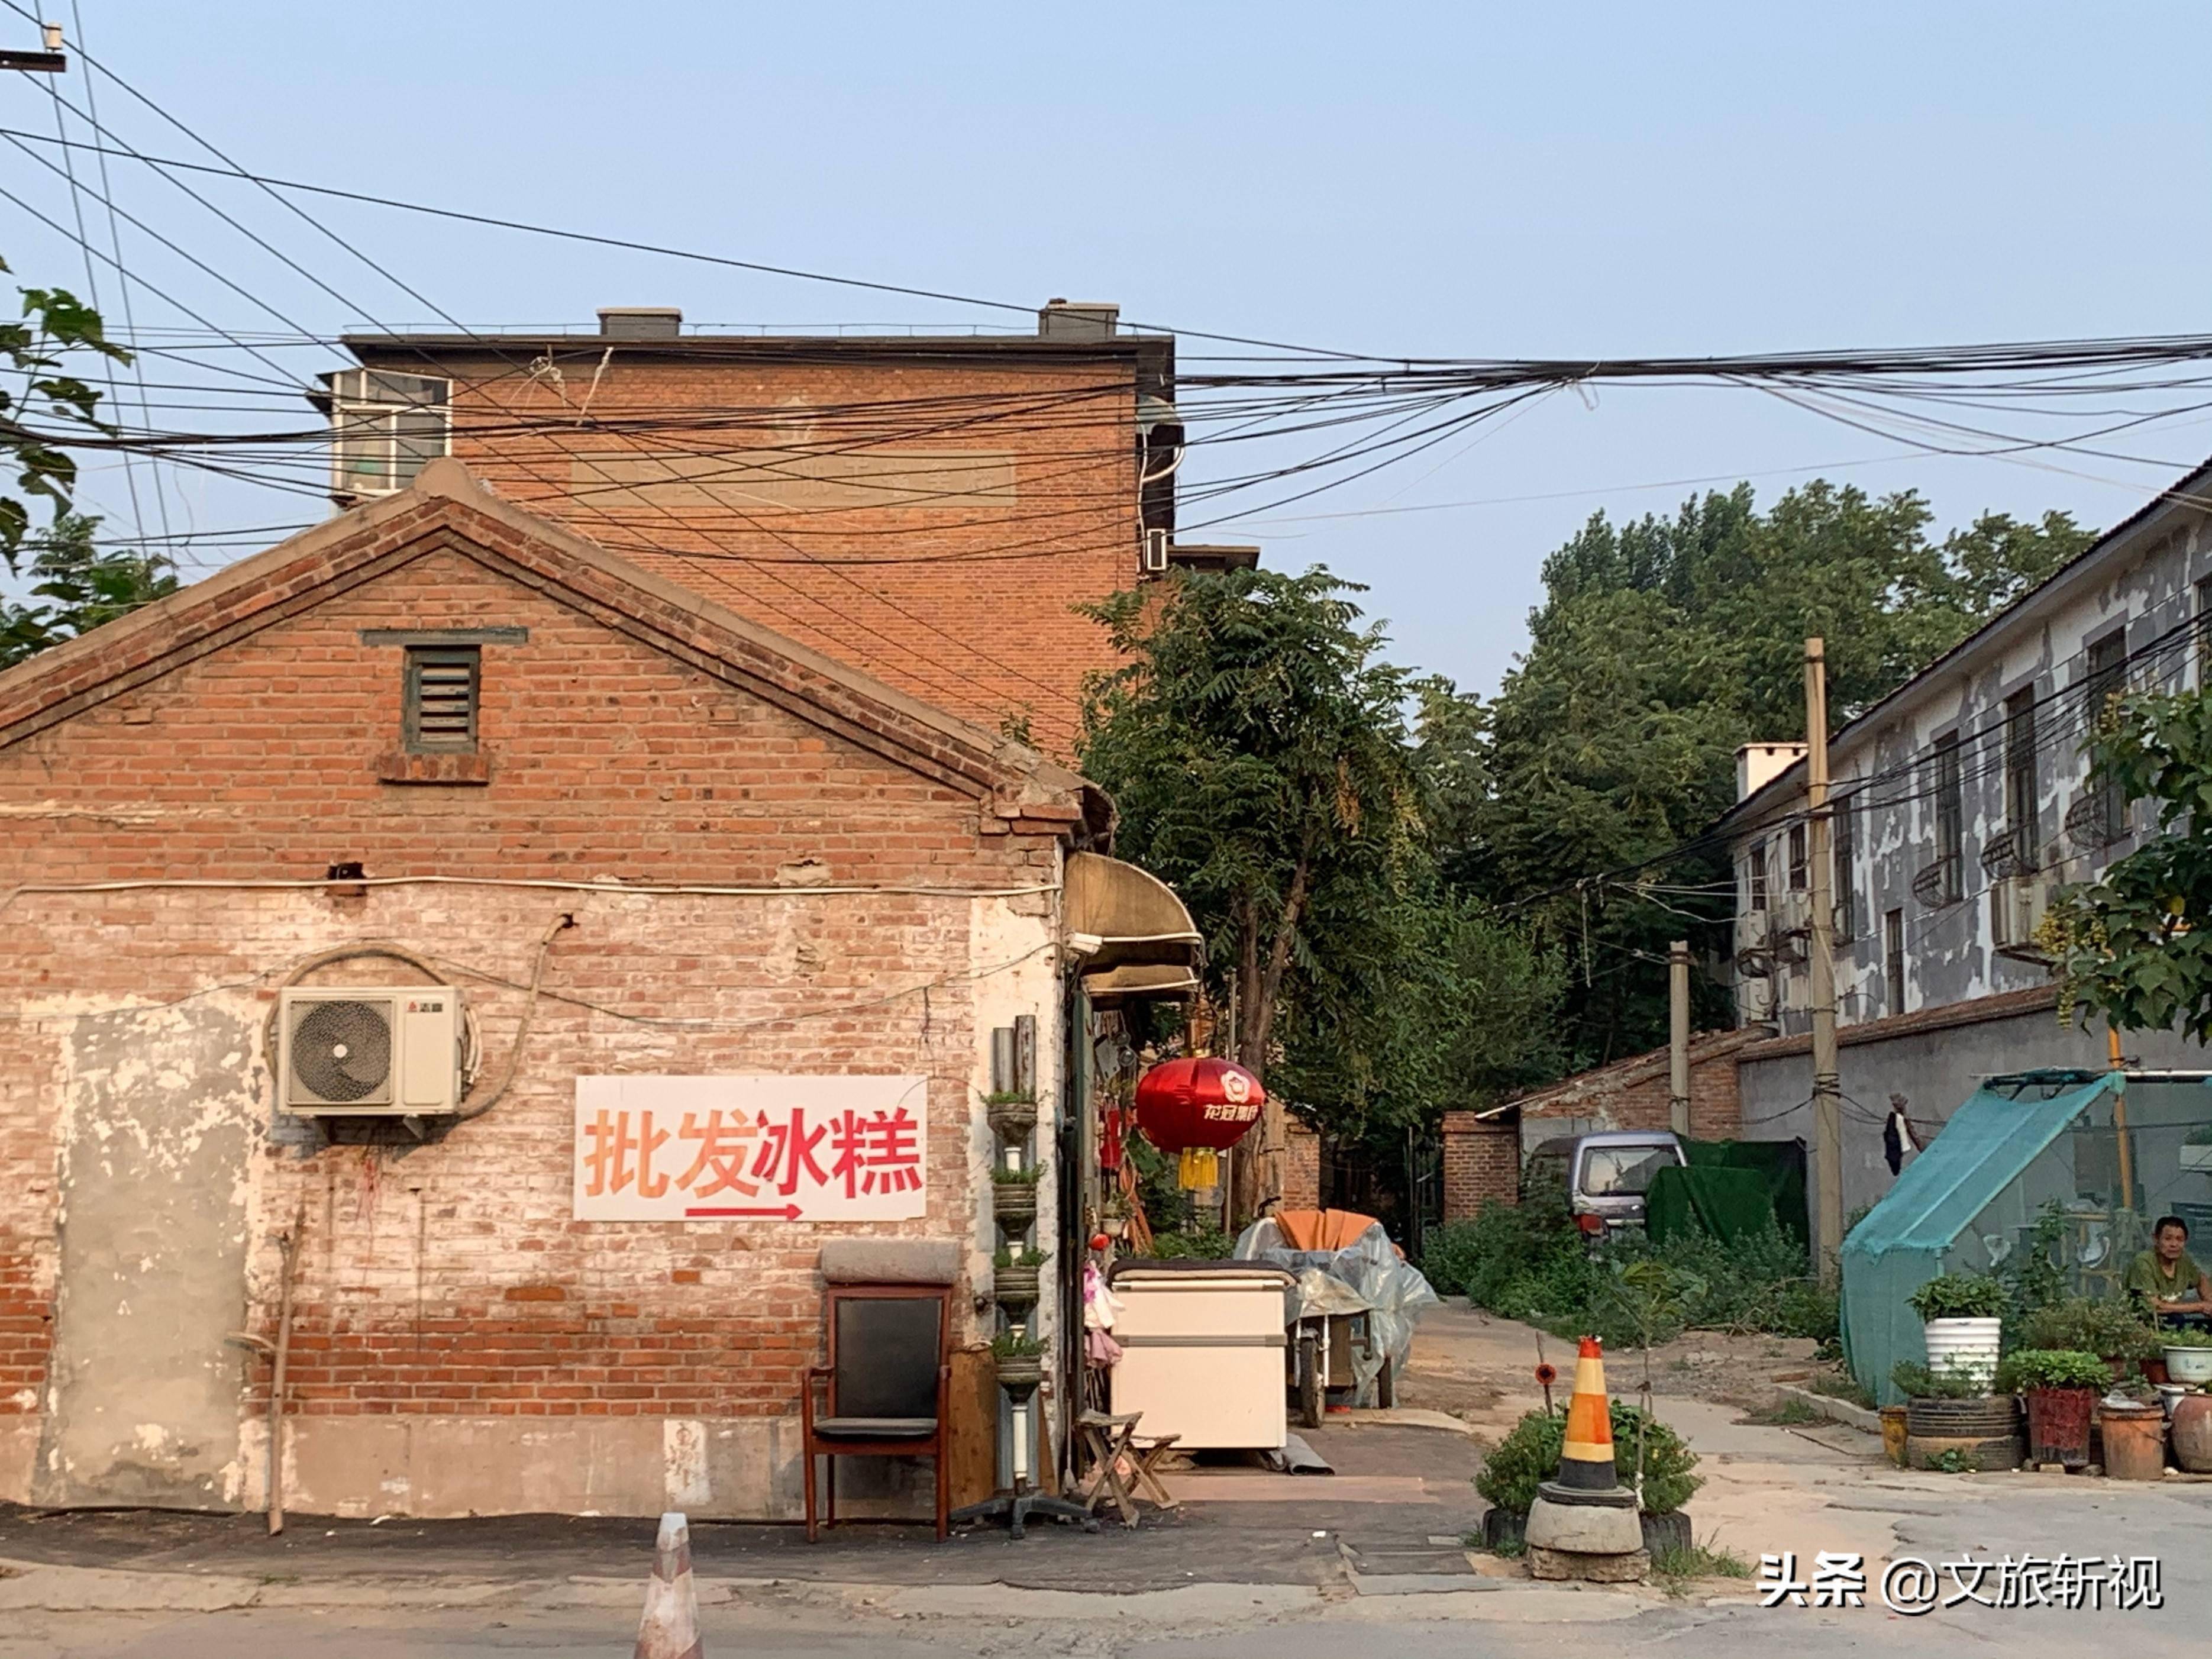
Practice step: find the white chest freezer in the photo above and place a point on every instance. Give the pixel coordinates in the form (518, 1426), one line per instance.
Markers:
(1203, 1353)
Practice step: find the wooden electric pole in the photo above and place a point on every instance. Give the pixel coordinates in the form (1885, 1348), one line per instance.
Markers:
(1827, 1084)
(1678, 1036)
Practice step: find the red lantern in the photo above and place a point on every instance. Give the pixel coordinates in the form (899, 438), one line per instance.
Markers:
(1198, 1108)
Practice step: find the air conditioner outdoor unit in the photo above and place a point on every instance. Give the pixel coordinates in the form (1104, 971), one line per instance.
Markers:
(1155, 561)
(369, 1052)
(2016, 909)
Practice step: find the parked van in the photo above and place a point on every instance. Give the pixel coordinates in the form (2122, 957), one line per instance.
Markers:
(1606, 1174)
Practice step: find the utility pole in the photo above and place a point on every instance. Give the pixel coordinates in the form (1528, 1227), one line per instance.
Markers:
(1678, 1036)
(1827, 1084)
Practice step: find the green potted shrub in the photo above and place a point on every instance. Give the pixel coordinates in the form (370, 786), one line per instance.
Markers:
(1012, 1114)
(2061, 1386)
(1020, 1359)
(1014, 1196)
(1014, 1276)
(2188, 1355)
(2110, 1329)
(1529, 1455)
(1963, 1316)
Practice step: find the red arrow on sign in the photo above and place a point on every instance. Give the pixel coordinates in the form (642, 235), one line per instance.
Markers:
(788, 1212)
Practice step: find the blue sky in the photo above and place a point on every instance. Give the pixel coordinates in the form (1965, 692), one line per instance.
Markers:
(1462, 180)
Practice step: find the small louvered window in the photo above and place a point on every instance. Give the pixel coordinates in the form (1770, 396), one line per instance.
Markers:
(441, 696)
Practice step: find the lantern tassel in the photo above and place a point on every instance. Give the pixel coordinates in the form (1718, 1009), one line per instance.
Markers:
(1198, 1166)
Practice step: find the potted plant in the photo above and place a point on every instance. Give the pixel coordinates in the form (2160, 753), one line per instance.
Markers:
(1019, 1357)
(1529, 1455)
(2111, 1330)
(2188, 1355)
(1952, 1422)
(1014, 1196)
(1014, 1276)
(1964, 1317)
(2061, 1386)
(1012, 1114)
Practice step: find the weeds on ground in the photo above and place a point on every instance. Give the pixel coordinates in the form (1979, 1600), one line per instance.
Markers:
(1842, 1385)
(1511, 1549)
(1673, 1569)
(1785, 1412)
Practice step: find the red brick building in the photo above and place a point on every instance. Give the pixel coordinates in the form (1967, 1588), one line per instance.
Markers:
(673, 841)
(930, 509)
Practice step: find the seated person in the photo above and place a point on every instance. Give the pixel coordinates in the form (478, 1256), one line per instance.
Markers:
(2165, 1281)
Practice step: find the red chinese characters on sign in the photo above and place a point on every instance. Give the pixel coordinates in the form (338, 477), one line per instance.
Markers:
(793, 1149)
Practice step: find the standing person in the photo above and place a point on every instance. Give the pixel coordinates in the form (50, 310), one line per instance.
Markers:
(2166, 1280)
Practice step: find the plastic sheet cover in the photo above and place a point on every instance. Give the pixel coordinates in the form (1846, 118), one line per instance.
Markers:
(1366, 1276)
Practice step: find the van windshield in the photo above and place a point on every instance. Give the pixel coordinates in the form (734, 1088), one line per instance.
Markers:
(1622, 1171)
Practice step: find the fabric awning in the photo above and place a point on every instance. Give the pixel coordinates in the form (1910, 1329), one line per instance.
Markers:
(1136, 938)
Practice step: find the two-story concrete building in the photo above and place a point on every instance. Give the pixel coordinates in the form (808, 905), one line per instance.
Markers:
(1961, 802)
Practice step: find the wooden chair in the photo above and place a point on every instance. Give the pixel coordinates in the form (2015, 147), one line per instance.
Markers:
(884, 1389)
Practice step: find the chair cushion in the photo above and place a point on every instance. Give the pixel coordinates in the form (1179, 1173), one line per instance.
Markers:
(875, 1428)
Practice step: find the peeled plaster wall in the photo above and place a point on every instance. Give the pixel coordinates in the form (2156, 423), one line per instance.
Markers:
(160, 1114)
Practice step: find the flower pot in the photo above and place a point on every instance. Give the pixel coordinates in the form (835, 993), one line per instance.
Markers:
(2154, 1371)
(1894, 1433)
(2191, 1428)
(2059, 1426)
(2134, 1442)
(1984, 1433)
(1015, 1286)
(1019, 1374)
(1014, 1203)
(2189, 1365)
(1966, 1347)
(1013, 1122)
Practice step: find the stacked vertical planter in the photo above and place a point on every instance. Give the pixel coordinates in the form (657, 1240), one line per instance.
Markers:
(1015, 1282)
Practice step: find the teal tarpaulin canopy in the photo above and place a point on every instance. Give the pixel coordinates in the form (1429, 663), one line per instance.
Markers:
(1900, 1244)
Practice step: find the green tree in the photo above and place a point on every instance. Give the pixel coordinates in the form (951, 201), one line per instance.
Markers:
(2135, 945)
(40, 403)
(76, 587)
(1663, 644)
(1268, 764)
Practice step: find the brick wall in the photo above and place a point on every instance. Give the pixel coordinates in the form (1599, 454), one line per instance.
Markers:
(446, 1278)
(1635, 1093)
(1008, 495)
(1482, 1165)
(1301, 1168)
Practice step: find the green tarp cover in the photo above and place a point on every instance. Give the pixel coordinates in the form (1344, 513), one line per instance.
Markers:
(1730, 1188)
(1899, 1245)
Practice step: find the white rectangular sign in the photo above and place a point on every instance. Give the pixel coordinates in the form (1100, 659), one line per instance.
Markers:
(766, 1148)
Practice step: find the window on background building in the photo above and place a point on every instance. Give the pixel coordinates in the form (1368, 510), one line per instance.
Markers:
(1759, 875)
(1893, 959)
(2107, 679)
(1844, 838)
(1797, 877)
(1950, 819)
(2020, 775)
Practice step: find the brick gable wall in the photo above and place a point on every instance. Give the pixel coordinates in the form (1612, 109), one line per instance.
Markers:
(446, 1280)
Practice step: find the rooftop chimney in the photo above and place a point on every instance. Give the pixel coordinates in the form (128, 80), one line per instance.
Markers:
(641, 322)
(1078, 319)
(1757, 764)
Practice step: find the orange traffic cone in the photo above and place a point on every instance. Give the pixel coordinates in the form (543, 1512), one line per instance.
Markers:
(669, 1628)
(1586, 1457)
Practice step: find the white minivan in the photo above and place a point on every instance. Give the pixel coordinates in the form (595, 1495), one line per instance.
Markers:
(1606, 1174)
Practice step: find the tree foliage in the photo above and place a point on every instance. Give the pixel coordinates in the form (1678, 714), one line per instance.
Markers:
(40, 402)
(1289, 782)
(2135, 945)
(75, 585)
(1663, 645)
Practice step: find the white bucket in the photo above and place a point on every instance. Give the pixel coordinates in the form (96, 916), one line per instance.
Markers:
(2189, 1364)
(1966, 1347)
